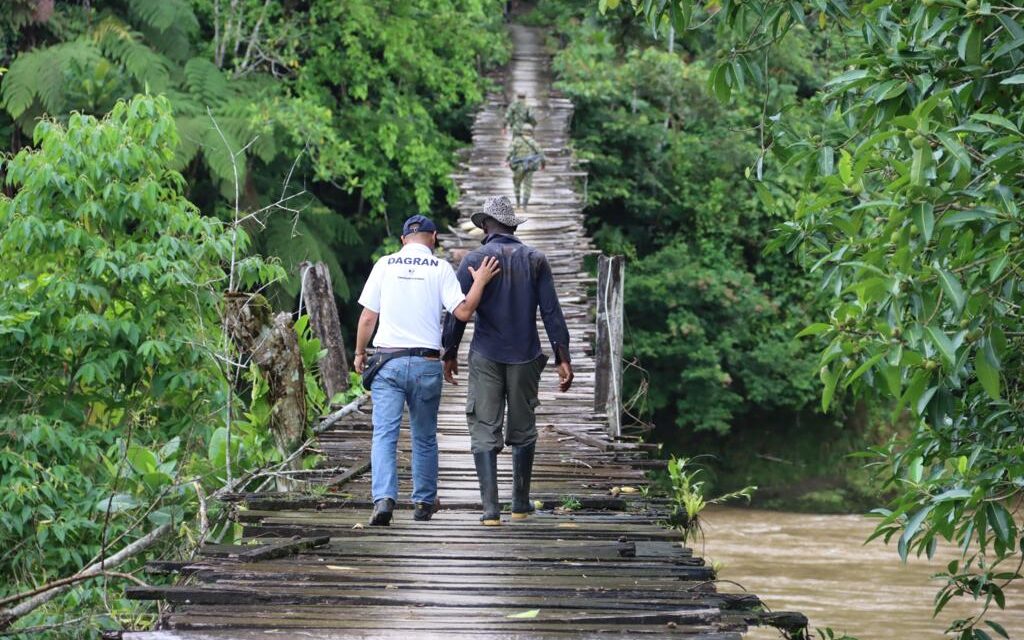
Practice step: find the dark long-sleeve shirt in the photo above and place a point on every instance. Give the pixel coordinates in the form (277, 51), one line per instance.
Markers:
(506, 320)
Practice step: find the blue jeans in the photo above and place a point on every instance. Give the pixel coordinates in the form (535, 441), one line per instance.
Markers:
(417, 382)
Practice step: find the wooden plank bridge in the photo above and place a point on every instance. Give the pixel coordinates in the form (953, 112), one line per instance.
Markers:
(602, 568)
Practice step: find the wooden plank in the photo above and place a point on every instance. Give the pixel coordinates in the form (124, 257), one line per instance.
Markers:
(607, 570)
(257, 553)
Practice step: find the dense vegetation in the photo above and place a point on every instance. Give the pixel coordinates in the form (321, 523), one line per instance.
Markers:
(847, 172)
(711, 318)
(302, 133)
(907, 213)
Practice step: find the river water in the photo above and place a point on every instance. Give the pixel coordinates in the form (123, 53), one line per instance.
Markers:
(819, 565)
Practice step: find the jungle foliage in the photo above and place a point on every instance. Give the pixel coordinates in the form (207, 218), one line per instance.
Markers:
(362, 104)
(710, 317)
(908, 215)
(153, 150)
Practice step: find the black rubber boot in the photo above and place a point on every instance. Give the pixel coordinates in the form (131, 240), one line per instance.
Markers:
(487, 475)
(522, 470)
(425, 511)
(382, 511)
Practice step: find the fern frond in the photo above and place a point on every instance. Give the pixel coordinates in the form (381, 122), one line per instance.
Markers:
(164, 14)
(184, 104)
(120, 43)
(20, 82)
(175, 43)
(190, 133)
(42, 74)
(218, 155)
(167, 25)
(296, 239)
(206, 81)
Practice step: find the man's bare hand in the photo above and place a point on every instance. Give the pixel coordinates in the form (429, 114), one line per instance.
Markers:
(451, 369)
(359, 363)
(487, 270)
(565, 376)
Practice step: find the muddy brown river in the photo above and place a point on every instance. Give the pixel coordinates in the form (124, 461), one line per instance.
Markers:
(818, 564)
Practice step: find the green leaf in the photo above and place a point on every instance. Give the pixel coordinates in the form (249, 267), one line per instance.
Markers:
(217, 450)
(998, 628)
(170, 448)
(915, 390)
(951, 144)
(862, 369)
(142, 460)
(814, 329)
(923, 214)
(997, 120)
(849, 76)
(117, 503)
(1001, 522)
(1007, 47)
(829, 379)
(988, 375)
(962, 217)
(913, 524)
(919, 164)
(845, 166)
(1015, 79)
(943, 344)
(720, 82)
(522, 615)
(952, 494)
(951, 285)
(826, 161)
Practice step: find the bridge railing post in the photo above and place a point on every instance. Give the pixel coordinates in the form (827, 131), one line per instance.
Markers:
(323, 318)
(608, 350)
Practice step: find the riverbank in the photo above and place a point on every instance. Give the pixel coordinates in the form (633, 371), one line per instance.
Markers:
(819, 565)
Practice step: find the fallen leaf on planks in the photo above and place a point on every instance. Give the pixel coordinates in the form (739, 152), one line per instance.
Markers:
(532, 613)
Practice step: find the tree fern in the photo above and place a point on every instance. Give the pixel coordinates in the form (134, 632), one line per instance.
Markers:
(42, 73)
(164, 14)
(312, 236)
(206, 82)
(20, 83)
(217, 155)
(167, 24)
(120, 43)
(191, 130)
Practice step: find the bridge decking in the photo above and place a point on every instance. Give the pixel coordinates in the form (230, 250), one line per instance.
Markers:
(606, 569)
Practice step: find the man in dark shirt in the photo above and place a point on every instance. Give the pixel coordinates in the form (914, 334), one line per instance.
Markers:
(505, 358)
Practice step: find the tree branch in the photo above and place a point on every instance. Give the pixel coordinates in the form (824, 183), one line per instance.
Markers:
(42, 595)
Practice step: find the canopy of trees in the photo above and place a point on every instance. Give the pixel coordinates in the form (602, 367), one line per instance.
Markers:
(907, 212)
(264, 128)
(820, 202)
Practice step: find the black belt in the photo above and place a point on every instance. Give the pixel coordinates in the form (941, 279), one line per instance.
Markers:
(418, 352)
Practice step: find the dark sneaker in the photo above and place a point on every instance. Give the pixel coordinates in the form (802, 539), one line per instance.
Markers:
(424, 510)
(382, 511)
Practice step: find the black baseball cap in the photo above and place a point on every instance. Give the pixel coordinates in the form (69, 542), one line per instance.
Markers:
(418, 224)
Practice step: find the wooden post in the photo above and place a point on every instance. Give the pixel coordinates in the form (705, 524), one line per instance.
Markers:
(608, 350)
(323, 318)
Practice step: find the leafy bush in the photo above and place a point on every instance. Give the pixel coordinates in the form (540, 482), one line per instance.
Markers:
(107, 301)
(909, 215)
(710, 318)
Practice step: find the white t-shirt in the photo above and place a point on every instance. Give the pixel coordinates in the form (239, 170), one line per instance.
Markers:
(408, 290)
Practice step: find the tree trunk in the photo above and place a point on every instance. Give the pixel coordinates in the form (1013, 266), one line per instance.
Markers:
(274, 347)
(608, 350)
(318, 295)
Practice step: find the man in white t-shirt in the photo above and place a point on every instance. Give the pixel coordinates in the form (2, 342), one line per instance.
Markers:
(406, 292)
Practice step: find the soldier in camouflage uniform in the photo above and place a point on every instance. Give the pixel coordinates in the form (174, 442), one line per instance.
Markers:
(518, 115)
(524, 157)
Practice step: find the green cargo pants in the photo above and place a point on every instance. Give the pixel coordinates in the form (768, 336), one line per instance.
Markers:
(522, 183)
(492, 386)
